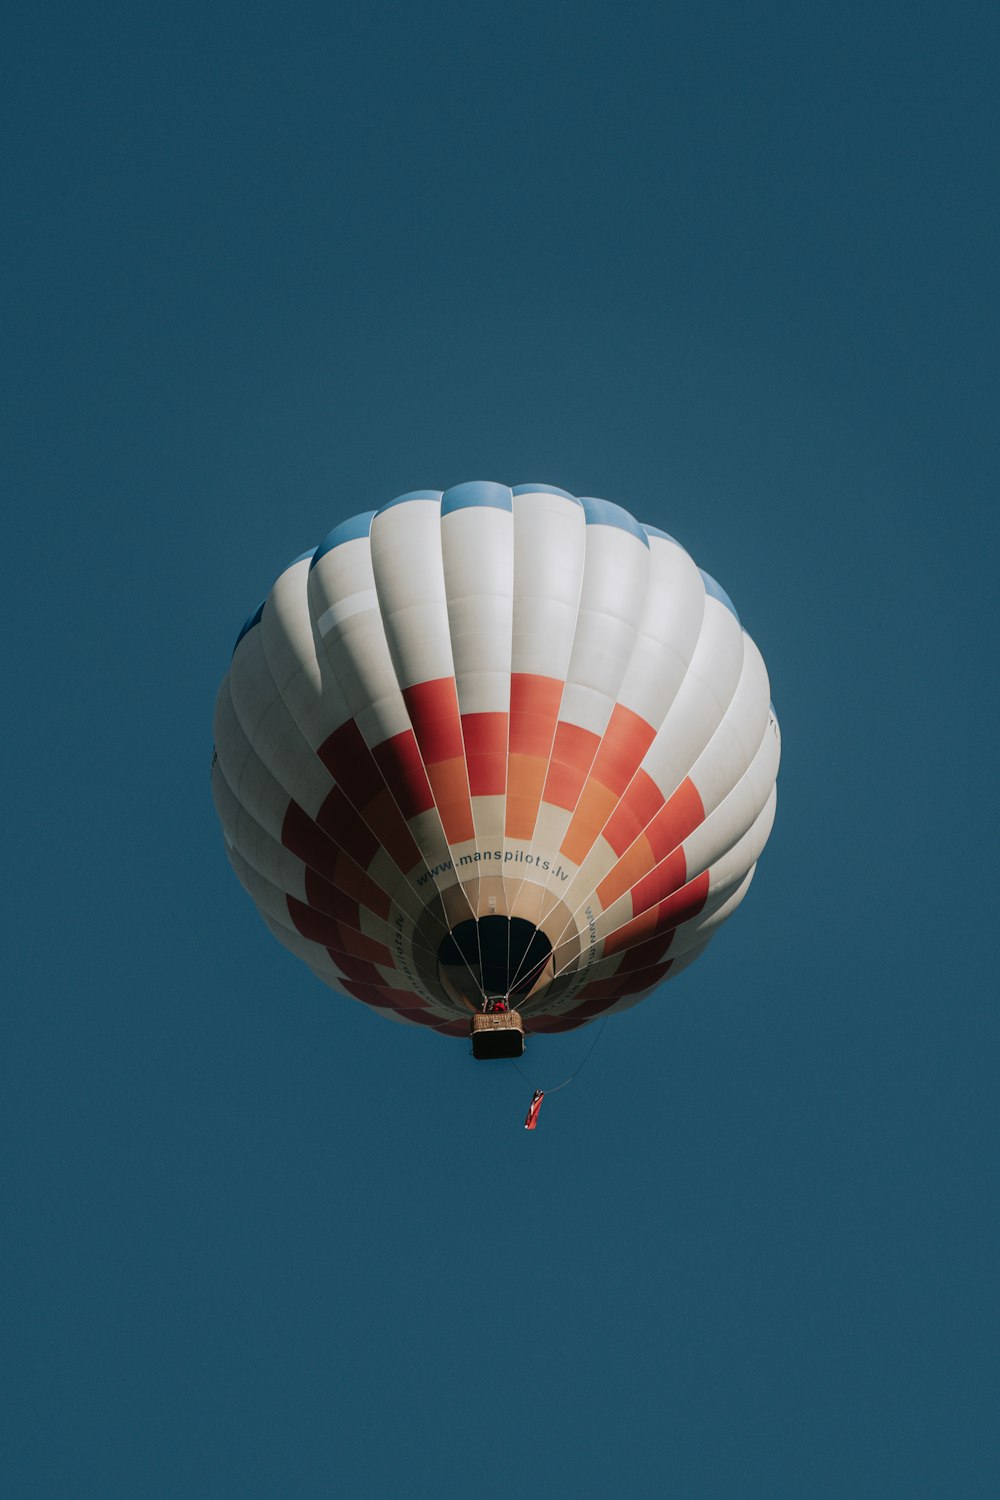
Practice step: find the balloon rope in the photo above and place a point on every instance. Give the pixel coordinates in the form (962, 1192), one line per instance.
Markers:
(567, 1081)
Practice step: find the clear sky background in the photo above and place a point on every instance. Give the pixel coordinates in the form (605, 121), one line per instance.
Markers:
(733, 266)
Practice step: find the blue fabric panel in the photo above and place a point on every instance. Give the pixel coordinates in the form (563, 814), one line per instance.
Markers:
(663, 535)
(543, 489)
(476, 492)
(718, 592)
(410, 495)
(253, 620)
(604, 513)
(347, 531)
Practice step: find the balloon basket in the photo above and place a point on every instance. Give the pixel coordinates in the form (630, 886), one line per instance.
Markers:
(497, 1034)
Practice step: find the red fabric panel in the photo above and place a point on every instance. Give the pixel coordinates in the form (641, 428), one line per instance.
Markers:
(644, 955)
(353, 766)
(341, 821)
(572, 757)
(321, 853)
(534, 708)
(679, 817)
(625, 742)
(639, 803)
(322, 896)
(433, 711)
(399, 761)
(486, 753)
(356, 968)
(360, 886)
(350, 763)
(660, 883)
(382, 996)
(685, 903)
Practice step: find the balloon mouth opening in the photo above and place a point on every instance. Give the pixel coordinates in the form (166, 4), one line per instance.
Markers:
(494, 958)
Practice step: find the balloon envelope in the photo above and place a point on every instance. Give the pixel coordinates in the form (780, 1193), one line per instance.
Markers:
(495, 742)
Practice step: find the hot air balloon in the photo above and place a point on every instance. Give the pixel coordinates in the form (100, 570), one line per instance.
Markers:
(495, 759)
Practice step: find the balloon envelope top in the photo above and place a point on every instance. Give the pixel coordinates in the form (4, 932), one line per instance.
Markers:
(494, 744)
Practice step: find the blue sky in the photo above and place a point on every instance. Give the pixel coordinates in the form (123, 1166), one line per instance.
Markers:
(733, 267)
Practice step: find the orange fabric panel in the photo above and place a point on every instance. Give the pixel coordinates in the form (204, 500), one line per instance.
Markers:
(593, 810)
(525, 779)
(633, 865)
(486, 753)
(449, 781)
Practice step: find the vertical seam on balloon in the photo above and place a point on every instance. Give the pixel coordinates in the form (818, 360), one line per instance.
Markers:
(546, 892)
(318, 642)
(321, 641)
(465, 762)
(701, 753)
(444, 837)
(632, 779)
(555, 726)
(475, 827)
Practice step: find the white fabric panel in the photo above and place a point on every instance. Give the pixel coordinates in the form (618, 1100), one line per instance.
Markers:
(254, 844)
(288, 632)
(734, 744)
(671, 622)
(701, 701)
(252, 784)
(615, 576)
(550, 541)
(727, 872)
(353, 648)
(362, 600)
(409, 580)
(269, 726)
(738, 810)
(477, 545)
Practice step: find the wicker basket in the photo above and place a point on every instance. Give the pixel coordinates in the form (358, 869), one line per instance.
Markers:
(497, 1034)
